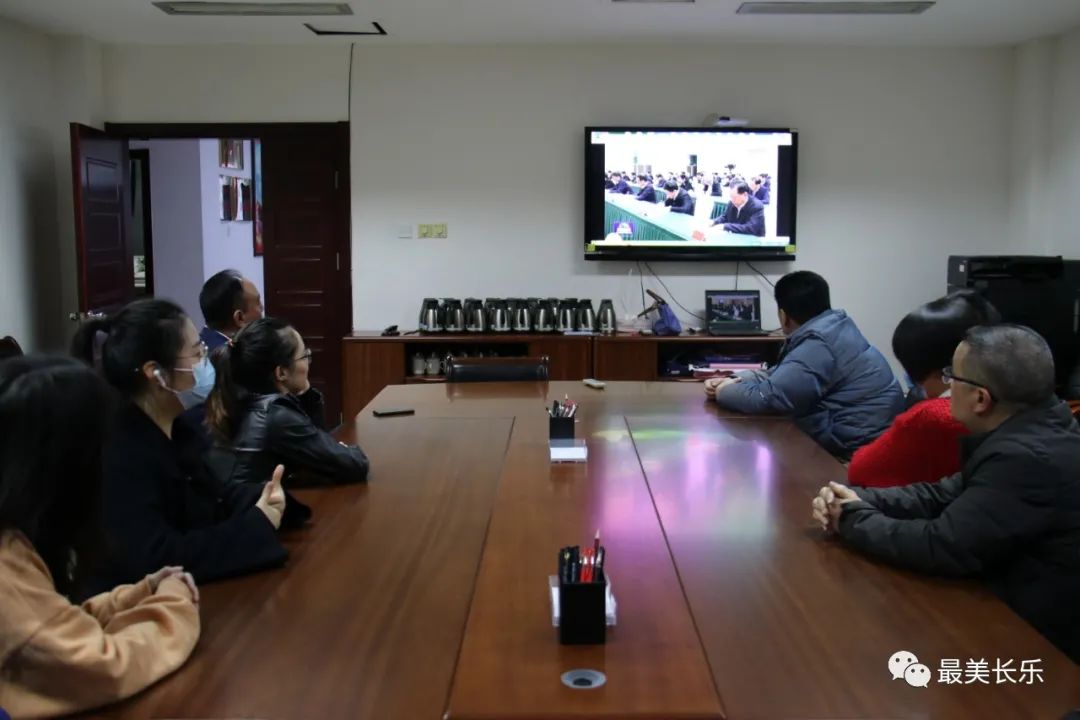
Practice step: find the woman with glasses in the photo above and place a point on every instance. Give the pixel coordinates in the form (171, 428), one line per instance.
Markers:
(922, 444)
(160, 505)
(263, 412)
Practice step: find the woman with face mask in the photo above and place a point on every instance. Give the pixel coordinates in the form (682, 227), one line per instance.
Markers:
(922, 444)
(160, 505)
(263, 412)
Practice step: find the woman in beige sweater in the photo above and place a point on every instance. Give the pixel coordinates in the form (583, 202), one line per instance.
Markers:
(56, 657)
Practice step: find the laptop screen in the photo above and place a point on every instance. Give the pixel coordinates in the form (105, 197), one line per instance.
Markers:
(741, 308)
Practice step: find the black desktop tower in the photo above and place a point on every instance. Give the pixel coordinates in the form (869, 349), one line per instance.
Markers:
(1040, 292)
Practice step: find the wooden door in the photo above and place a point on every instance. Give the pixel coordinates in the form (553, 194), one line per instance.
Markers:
(306, 231)
(100, 173)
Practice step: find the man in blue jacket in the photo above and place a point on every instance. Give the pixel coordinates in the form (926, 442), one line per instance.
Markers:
(835, 385)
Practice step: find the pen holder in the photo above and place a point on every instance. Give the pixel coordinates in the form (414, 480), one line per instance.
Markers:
(582, 618)
(561, 428)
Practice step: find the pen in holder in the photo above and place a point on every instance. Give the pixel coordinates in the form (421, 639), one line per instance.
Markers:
(561, 428)
(561, 443)
(583, 591)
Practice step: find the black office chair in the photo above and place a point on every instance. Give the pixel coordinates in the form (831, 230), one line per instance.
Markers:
(9, 348)
(496, 369)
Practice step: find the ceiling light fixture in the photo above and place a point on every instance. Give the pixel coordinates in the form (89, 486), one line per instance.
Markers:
(834, 8)
(252, 9)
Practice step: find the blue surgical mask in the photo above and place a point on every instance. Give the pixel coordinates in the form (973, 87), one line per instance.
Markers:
(204, 383)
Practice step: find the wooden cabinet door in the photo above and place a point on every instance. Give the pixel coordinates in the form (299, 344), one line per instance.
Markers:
(626, 360)
(368, 368)
(571, 357)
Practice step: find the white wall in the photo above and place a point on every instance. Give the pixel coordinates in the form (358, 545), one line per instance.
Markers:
(225, 244)
(1045, 215)
(176, 207)
(222, 83)
(45, 83)
(27, 185)
(903, 161)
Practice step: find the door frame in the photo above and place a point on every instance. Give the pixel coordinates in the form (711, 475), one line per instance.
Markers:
(339, 130)
(148, 229)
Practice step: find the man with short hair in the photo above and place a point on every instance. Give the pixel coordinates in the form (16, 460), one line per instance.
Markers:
(744, 214)
(1011, 516)
(678, 200)
(759, 190)
(228, 301)
(619, 186)
(647, 192)
(835, 385)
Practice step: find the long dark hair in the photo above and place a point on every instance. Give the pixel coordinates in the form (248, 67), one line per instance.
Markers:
(53, 417)
(144, 331)
(245, 368)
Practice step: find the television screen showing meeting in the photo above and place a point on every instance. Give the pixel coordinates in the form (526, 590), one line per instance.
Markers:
(689, 193)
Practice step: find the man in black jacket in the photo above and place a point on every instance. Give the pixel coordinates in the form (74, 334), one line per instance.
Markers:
(678, 200)
(647, 192)
(744, 214)
(619, 186)
(1012, 515)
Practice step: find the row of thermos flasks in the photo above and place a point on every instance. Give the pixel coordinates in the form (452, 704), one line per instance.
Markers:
(521, 315)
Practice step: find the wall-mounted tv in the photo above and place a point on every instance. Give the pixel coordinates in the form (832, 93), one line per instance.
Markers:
(654, 193)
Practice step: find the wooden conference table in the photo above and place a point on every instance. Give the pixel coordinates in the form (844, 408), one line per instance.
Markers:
(423, 593)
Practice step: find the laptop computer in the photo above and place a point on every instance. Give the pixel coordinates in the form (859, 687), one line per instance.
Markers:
(733, 312)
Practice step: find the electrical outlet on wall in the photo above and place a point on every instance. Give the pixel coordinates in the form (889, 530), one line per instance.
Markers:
(438, 231)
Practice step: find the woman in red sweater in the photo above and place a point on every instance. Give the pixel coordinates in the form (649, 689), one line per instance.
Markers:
(921, 445)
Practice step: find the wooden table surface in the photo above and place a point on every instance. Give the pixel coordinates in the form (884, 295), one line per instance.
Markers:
(423, 593)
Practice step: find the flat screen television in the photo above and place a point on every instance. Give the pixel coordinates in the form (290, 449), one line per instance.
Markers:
(654, 193)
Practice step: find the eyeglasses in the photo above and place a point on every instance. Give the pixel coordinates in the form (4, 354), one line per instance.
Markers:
(306, 356)
(949, 378)
(200, 352)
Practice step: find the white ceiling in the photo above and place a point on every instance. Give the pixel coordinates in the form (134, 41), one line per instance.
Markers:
(951, 22)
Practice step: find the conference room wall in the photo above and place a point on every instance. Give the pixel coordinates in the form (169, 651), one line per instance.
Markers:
(45, 83)
(1045, 215)
(904, 156)
(27, 183)
(901, 163)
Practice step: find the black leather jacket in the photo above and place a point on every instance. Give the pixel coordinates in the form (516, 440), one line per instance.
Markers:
(287, 430)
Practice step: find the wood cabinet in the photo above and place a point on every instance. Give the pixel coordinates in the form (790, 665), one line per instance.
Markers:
(368, 368)
(624, 360)
(371, 362)
(571, 356)
(638, 357)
